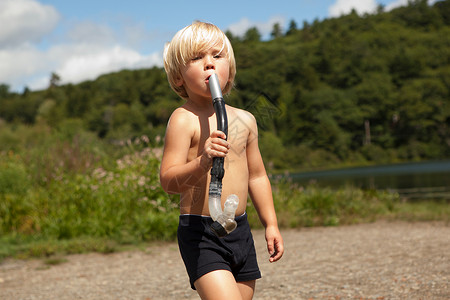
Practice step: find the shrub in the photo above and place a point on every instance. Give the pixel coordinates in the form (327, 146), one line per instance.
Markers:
(314, 206)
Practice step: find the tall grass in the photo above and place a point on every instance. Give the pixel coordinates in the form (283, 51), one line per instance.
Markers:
(305, 206)
(69, 189)
(311, 205)
(123, 200)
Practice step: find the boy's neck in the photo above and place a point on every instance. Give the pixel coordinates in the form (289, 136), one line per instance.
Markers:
(200, 104)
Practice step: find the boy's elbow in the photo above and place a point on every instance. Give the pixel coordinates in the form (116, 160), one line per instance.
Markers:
(165, 187)
(166, 184)
(168, 190)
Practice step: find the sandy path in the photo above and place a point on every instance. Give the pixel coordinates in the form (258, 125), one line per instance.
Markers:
(369, 261)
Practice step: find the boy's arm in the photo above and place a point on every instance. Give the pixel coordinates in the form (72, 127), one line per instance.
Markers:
(176, 173)
(261, 194)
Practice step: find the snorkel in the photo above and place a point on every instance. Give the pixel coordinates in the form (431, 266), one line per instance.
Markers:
(224, 222)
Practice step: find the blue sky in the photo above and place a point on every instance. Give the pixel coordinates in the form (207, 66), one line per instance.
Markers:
(82, 39)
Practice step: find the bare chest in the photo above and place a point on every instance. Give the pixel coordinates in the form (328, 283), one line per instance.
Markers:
(238, 134)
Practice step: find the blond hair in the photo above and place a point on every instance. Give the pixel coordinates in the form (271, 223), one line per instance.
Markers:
(187, 43)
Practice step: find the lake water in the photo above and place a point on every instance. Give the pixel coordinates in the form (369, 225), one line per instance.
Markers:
(424, 180)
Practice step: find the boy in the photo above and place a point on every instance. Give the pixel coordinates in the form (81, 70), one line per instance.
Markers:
(218, 268)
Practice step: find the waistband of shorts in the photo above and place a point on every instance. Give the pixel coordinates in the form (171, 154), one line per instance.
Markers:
(188, 219)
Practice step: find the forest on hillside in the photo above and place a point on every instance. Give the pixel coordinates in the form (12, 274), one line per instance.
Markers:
(351, 90)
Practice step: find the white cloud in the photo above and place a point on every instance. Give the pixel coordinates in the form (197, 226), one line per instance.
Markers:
(264, 28)
(83, 52)
(23, 21)
(240, 27)
(343, 7)
(74, 63)
(398, 3)
(23, 60)
(84, 62)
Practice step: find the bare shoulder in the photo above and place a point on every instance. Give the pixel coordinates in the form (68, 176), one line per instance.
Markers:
(242, 115)
(179, 133)
(181, 118)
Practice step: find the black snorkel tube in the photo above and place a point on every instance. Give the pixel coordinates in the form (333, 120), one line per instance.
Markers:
(224, 222)
(217, 170)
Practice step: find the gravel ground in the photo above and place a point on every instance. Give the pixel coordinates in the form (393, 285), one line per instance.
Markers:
(370, 261)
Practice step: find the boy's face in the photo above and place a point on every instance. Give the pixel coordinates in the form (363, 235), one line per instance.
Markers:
(196, 72)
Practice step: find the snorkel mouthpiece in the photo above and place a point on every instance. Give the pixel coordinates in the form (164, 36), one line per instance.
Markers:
(214, 87)
(224, 222)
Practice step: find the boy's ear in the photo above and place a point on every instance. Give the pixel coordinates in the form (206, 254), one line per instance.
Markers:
(179, 81)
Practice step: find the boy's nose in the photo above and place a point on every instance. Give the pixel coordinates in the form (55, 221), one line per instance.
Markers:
(209, 64)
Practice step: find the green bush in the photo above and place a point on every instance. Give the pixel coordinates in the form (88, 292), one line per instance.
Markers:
(13, 178)
(122, 203)
(66, 188)
(299, 206)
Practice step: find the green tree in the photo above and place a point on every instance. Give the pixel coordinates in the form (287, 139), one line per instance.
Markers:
(55, 80)
(276, 31)
(292, 28)
(252, 35)
(4, 91)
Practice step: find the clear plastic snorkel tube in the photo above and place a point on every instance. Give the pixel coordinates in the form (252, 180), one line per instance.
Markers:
(224, 222)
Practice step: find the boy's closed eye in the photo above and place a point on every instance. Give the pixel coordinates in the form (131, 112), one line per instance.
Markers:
(200, 56)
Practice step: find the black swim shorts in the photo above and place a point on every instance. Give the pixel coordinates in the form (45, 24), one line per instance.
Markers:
(203, 252)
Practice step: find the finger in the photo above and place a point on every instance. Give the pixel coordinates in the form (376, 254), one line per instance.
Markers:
(218, 141)
(220, 146)
(270, 247)
(219, 134)
(216, 153)
(279, 250)
(223, 144)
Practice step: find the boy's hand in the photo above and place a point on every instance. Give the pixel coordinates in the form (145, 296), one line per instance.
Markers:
(216, 145)
(275, 244)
